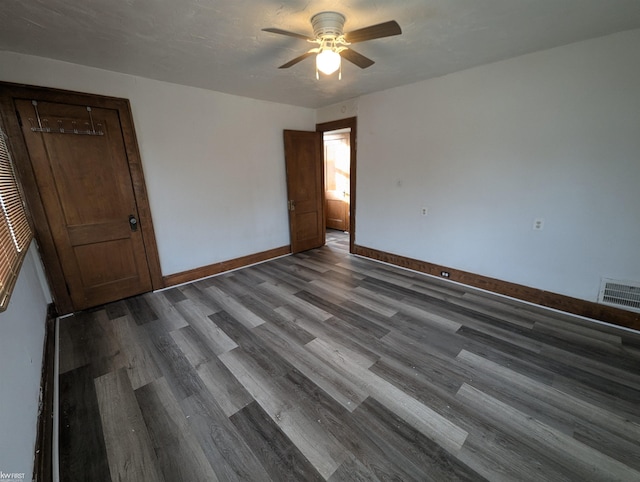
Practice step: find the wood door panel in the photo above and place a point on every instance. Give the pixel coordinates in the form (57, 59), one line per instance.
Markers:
(336, 215)
(88, 196)
(98, 188)
(94, 233)
(83, 188)
(105, 262)
(307, 225)
(303, 158)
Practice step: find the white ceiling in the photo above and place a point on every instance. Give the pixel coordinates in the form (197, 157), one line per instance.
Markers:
(219, 45)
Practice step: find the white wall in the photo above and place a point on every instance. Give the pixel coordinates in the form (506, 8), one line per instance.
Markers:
(22, 329)
(554, 134)
(341, 110)
(213, 163)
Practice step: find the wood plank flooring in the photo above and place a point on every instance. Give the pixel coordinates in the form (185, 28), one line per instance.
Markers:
(325, 366)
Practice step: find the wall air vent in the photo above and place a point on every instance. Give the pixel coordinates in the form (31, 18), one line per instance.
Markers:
(623, 294)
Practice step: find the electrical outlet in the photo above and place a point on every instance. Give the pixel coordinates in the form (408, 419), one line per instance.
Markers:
(538, 224)
(444, 274)
(424, 211)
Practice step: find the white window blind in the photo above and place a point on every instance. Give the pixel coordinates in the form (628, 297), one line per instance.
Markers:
(15, 231)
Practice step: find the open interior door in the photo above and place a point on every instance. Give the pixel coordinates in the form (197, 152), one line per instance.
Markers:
(305, 188)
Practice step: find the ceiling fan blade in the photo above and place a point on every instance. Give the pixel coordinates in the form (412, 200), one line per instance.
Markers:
(296, 60)
(286, 32)
(385, 29)
(356, 58)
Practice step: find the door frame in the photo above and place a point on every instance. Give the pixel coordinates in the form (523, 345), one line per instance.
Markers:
(35, 205)
(352, 123)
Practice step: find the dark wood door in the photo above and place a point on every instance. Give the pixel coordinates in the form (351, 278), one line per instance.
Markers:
(305, 187)
(337, 160)
(88, 197)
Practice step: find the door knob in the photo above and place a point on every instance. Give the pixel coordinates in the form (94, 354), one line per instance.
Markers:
(133, 222)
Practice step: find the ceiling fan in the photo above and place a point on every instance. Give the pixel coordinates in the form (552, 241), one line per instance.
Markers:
(333, 43)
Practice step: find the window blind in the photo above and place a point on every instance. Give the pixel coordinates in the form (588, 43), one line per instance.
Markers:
(15, 231)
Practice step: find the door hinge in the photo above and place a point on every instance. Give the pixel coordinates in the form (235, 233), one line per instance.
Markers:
(291, 205)
(19, 117)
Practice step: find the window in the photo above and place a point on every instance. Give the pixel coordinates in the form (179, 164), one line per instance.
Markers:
(15, 232)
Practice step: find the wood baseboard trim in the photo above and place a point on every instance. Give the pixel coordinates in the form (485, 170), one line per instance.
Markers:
(43, 462)
(221, 267)
(548, 299)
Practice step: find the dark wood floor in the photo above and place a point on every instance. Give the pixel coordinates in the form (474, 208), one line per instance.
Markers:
(325, 366)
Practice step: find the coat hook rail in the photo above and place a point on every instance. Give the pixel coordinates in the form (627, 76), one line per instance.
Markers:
(43, 125)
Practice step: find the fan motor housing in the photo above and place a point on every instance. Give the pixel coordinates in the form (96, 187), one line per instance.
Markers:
(327, 24)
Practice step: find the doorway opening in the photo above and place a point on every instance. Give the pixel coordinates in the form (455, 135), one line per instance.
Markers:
(337, 167)
(339, 152)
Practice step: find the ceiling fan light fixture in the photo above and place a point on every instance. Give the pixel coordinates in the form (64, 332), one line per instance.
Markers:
(332, 43)
(328, 61)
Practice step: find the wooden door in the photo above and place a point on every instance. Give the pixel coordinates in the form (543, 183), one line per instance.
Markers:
(88, 197)
(303, 159)
(337, 160)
